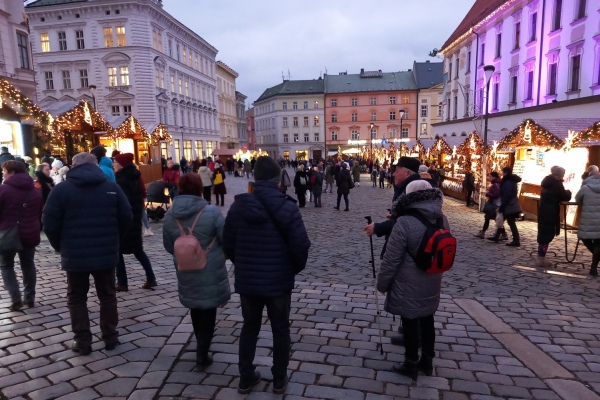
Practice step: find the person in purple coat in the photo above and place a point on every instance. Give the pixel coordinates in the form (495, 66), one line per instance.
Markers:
(20, 203)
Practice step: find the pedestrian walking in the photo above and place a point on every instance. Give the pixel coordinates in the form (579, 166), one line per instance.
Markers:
(374, 175)
(170, 177)
(509, 206)
(219, 188)
(553, 192)
(268, 246)
(20, 214)
(130, 181)
(588, 197)
(468, 185)
(491, 206)
(382, 175)
(201, 290)
(84, 219)
(317, 186)
(329, 178)
(206, 177)
(301, 185)
(356, 173)
(43, 181)
(285, 181)
(412, 293)
(344, 184)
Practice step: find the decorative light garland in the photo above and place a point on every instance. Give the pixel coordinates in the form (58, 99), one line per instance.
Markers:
(439, 147)
(130, 129)
(160, 133)
(75, 118)
(528, 133)
(591, 133)
(15, 100)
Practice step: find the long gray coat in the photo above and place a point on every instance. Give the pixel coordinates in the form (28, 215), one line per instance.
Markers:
(410, 291)
(589, 199)
(207, 288)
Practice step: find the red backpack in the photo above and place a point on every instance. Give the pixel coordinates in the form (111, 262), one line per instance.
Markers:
(437, 249)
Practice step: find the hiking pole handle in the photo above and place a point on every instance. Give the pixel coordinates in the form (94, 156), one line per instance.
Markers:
(369, 220)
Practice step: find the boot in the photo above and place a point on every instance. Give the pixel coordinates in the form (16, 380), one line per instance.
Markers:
(495, 237)
(203, 359)
(480, 234)
(503, 235)
(426, 365)
(541, 262)
(408, 368)
(594, 271)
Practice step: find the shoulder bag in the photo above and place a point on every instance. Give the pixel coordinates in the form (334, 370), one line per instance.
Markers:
(10, 241)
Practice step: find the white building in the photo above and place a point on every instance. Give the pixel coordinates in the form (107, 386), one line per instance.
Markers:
(227, 105)
(546, 56)
(140, 60)
(240, 106)
(289, 121)
(428, 77)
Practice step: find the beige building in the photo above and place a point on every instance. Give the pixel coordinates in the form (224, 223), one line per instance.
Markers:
(228, 120)
(430, 110)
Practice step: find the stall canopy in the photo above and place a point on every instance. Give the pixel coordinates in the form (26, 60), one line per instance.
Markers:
(439, 147)
(130, 128)
(530, 133)
(351, 151)
(159, 133)
(82, 117)
(13, 99)
(589, 136)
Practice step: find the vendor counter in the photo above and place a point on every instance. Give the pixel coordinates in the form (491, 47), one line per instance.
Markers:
(151, 173)
(453, 187)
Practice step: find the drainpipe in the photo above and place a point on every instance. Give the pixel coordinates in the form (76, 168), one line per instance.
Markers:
(541, 50)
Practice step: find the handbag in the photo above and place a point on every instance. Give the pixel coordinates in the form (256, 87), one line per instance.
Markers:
(10, 240)
(500, 221)
(218, 179)
(489, 208)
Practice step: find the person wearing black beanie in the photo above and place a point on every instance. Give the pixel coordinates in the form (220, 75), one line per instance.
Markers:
(99, 152)
(266, 169)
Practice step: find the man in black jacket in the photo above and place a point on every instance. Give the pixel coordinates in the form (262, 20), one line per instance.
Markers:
(83, 219)
(268, 245)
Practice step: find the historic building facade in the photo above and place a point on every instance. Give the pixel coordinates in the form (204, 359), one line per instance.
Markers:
(428, 78)
(226, 94)
(250, 129)
(546, 59)
(240, 113)
(288, 120)
(128, 57)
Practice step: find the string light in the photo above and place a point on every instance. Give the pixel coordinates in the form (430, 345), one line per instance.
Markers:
(591, 133)
(12, 97)
(82, 118)
(528, 133)
(160, 133)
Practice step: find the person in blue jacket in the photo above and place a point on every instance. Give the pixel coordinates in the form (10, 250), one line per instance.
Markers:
(105, 163)
(84, 218)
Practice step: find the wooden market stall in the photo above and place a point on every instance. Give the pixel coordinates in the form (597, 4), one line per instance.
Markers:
(465, 157)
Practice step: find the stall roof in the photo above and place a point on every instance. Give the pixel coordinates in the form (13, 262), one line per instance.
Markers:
(560, 127)
(59, 107)
(116, 120)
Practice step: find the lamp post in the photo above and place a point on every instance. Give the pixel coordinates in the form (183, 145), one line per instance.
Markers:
(488, 70)
(92, 90)
(371, 125)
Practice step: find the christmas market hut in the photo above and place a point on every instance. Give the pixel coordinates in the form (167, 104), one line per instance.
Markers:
(160, 138)
(23, 125)
(461, 159)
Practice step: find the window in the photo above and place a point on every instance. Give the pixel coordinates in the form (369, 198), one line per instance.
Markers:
(170, 48)
(580, 12)
(286, 138)
(305, 105)
(121, 36)
(575, 71)
(295, 122)
(552, 74)
(529, 87)
(187, 88)
(392, 99)
(49, 80)
(184, 54)
(354, 135)
(455, 109)
(199, 149)
(449, 71)
(127, 110)
(173, 83)
(373, 116)
(457, 67)
(423, 111)
(424, 128)
(178, 51)
(108, 37)
(162, 114)
(316, 120)
(466, 104)
(333, 102)
(196, 60)
(124, 76)
(80, 40)
(115, 110)
(468, 69)
(178, 151)
(373, 101)
(449, 104)
(354, 101)
(83, 78)
(296, 139)
(316, 105)
(513, 88)
(334, 135)
(557, 15)
(517, 35)
(354, 117)
(180, 82)
(533, 27)
(498, 45)
(333, 117)
(284, 105)
(482, 53)
(62, 41)
(392, 115)
(392, 133)
(305, 121)
(285, 122)
(496, 96)
(306, 138)
(439, 113)
(66, 78)
(23, 50)
(405, 100)
(373, 133)
(295, 105)
(316, 136)
(404, 132)
(156, 40)
(45, 40)
(112, 76)
(405, 116)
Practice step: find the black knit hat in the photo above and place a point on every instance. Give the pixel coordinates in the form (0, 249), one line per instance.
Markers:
(266, 169)
(409, 163)
(99, 152)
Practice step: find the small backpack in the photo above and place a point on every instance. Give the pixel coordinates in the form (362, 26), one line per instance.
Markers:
(187, 250)
(313, 179)
(285, 179)
(303, 180)
(437, 249)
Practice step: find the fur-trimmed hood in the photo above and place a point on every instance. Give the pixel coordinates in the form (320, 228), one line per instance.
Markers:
(428, 202)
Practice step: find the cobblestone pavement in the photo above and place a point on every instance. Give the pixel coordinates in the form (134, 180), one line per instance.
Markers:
(505, 330)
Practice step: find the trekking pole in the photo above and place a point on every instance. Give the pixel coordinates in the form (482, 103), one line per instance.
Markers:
(368, 218)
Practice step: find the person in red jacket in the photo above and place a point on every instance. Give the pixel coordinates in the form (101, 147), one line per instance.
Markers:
(171, 177)
(20, 203)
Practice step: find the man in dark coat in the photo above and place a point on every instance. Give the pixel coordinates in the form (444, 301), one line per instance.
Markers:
(553, 192)
(343, 180)
(84, 218)
(268, 245)
(468, 185)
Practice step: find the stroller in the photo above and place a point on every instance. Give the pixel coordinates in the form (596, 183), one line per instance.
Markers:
(156, 194)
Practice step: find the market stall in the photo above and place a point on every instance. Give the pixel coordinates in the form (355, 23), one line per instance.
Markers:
(459, 160)
(159, 134)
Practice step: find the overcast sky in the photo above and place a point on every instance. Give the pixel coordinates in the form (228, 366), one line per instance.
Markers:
(265, 38)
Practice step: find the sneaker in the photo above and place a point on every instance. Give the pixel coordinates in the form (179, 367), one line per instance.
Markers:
(247, 383)
(148, 232)
(279, 385)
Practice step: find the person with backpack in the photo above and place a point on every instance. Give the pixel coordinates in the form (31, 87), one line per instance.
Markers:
(411, 292)
(202, 290)
(219, 188)
(285, 181)
(301, 185)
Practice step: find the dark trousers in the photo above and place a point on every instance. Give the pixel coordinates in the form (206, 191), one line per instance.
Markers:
(412, 328)
(206, 193)
(301, 199)
(278, 311)
(7, 266)
(339, 199)
(217, 196)
(78, 285)
(317, 198)
(486, 222)
(593, 245)
(469, 195)
(203, 322)
(511, 220)
(143, 259)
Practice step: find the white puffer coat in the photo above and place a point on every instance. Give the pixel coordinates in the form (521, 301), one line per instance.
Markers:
(588, 198)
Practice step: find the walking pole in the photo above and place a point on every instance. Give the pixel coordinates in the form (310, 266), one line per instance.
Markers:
(368, 218)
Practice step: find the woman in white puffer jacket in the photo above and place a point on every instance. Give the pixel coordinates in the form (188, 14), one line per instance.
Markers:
(588, 198)
(206, 176)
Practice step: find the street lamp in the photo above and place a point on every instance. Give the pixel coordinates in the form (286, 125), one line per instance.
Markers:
(371, 125)
(488, 70)
(92, 90)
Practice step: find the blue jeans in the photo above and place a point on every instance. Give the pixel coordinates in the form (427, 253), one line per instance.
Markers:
(143, 259)
(278, 310)
(145, 219)
(7, 265)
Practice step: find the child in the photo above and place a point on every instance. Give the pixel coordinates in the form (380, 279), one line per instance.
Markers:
(382, 174)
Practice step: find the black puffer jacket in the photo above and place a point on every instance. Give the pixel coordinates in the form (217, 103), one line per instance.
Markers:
(553, 192)
(342, 181)
(129, 179)
(265, 263)
(84, 218)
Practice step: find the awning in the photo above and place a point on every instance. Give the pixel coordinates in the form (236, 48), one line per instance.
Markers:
(351, 151)
(225, 152)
